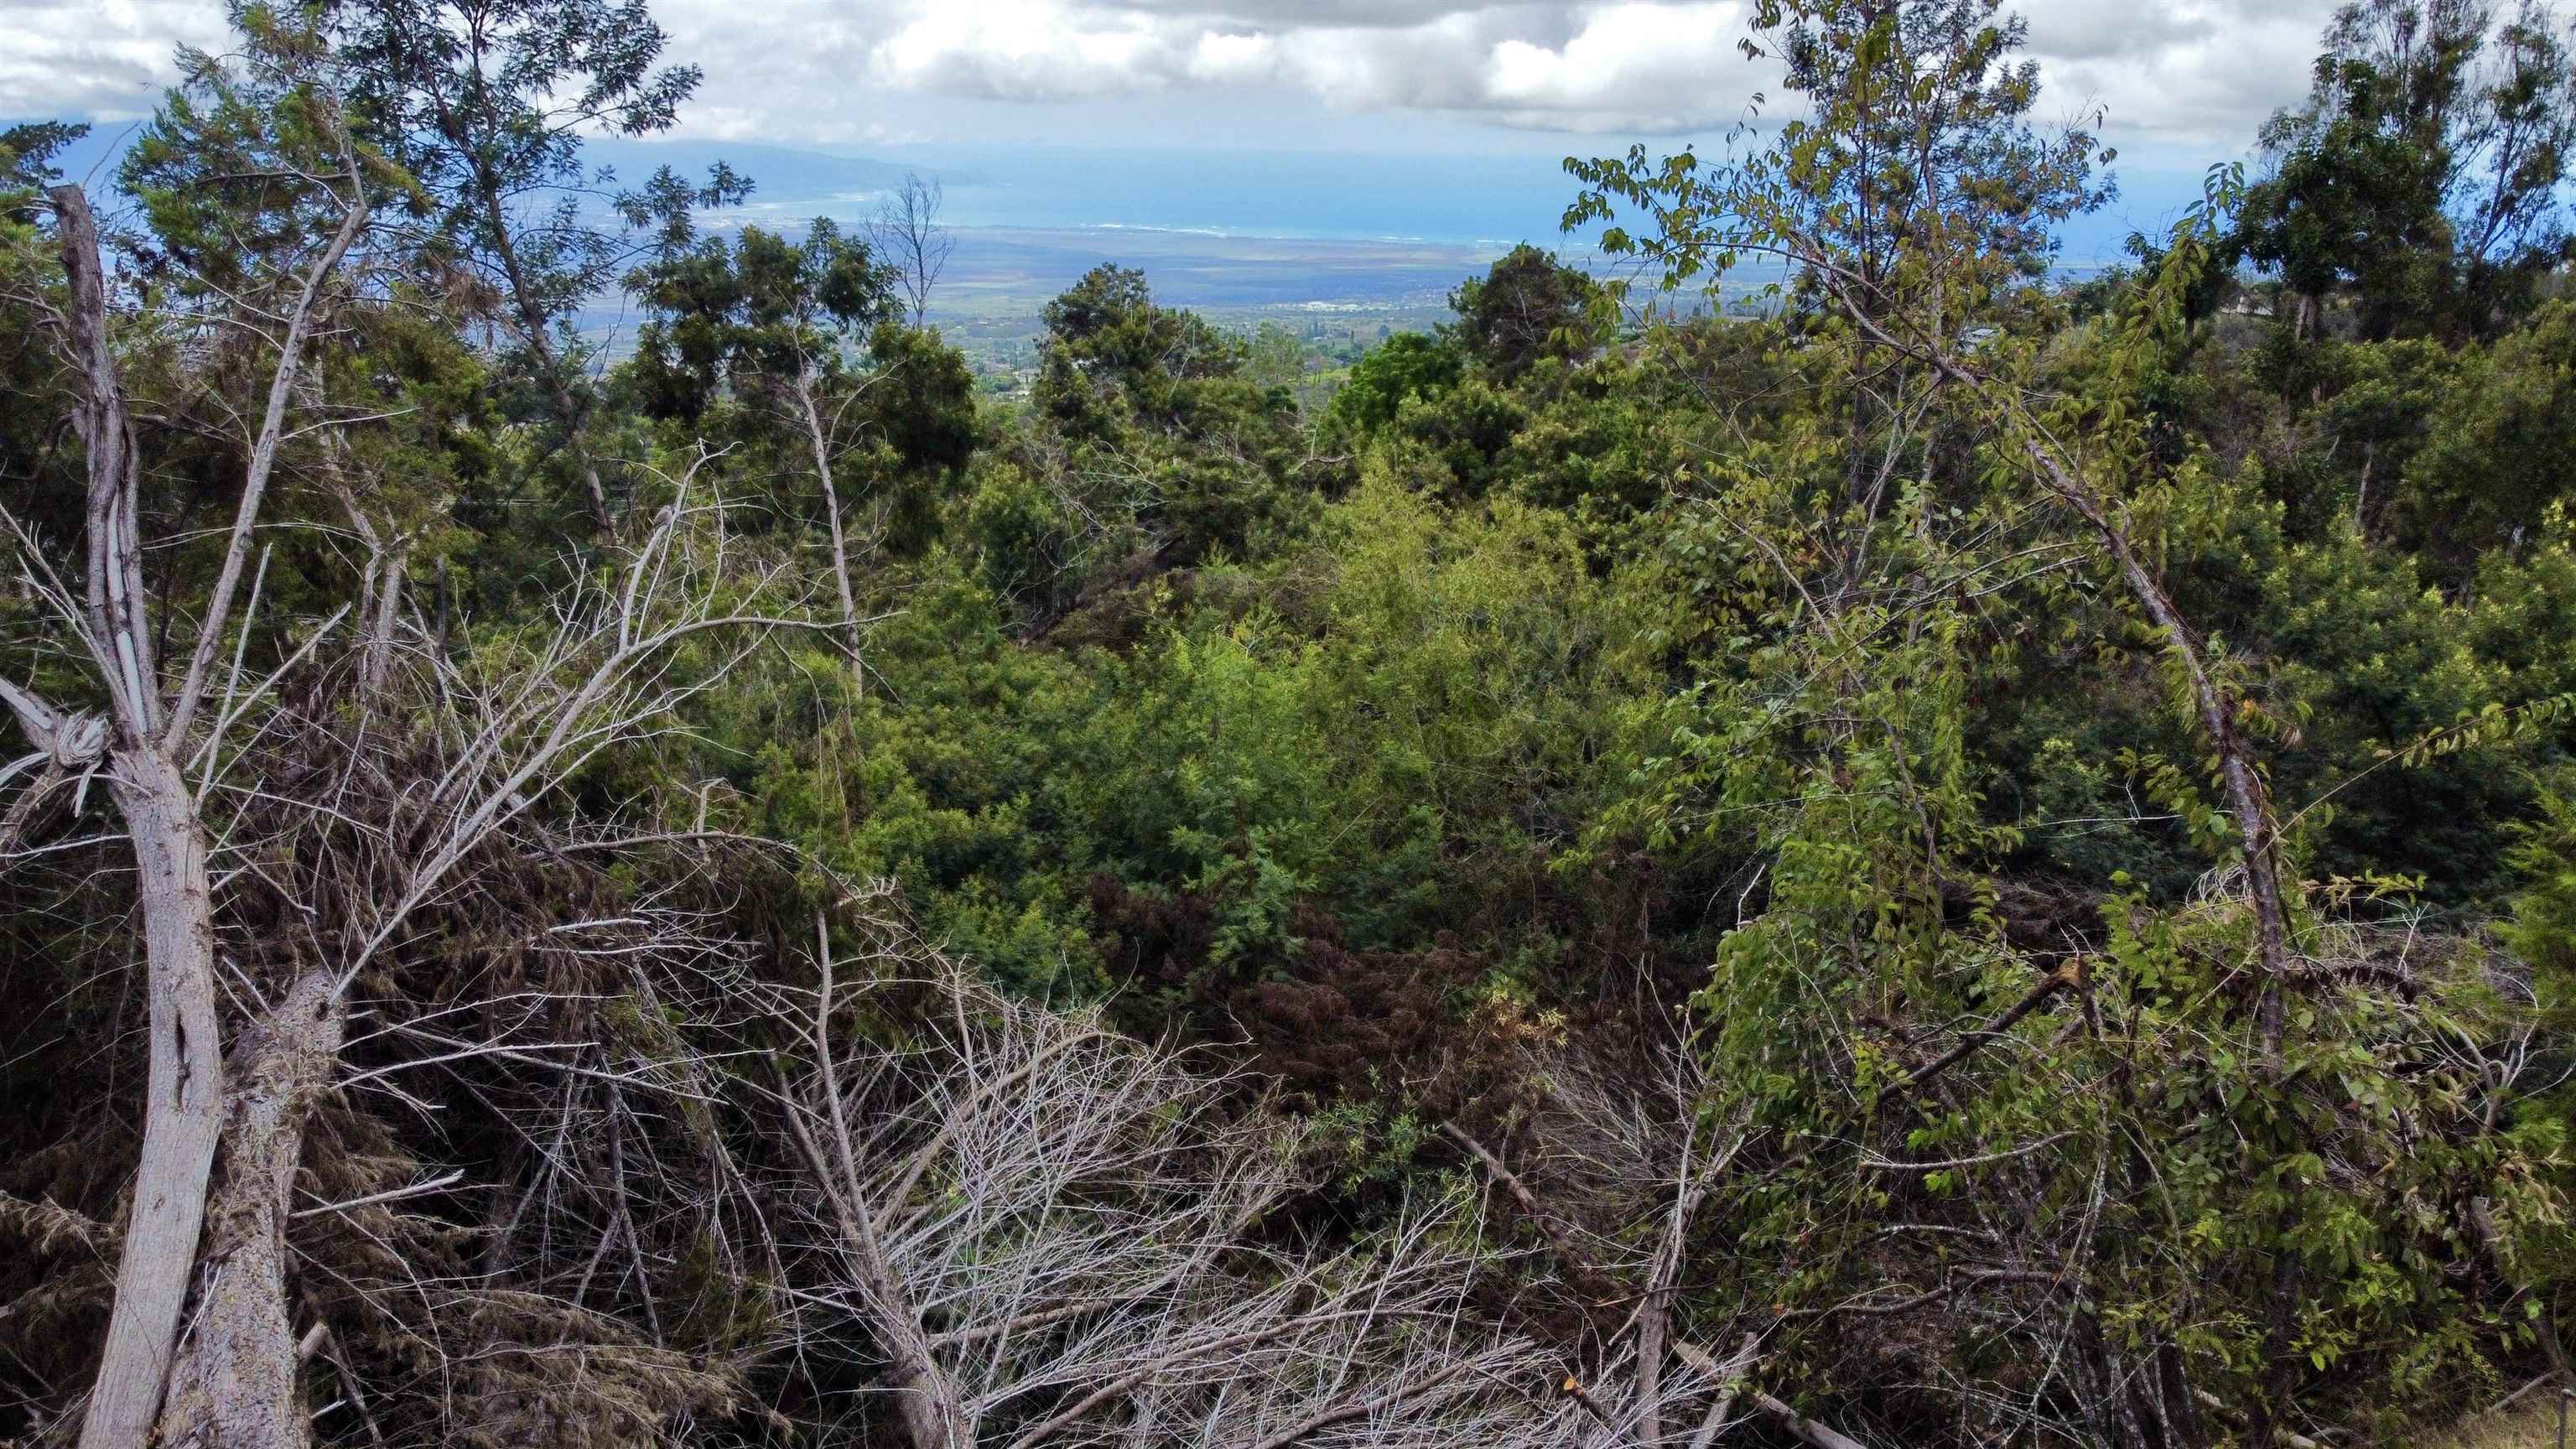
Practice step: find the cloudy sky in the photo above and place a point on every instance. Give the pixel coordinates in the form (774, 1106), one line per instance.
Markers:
(2182, 79)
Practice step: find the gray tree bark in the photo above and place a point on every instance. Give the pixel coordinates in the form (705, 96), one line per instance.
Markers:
(832, 513)
(183, 1099)
(184, 1077)
(234, 1385)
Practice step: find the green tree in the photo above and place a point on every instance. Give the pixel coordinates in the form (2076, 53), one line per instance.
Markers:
(1152, 418)
(741, 316)
(1829, 737)
(1406, 365)
(2422, 172)
(2496, 450)
(484, 104)
(1276, 363)
(43, 485)
(1913, 203)
(1111, 331)
(777, 325)
(27, 164)
(1527, 306)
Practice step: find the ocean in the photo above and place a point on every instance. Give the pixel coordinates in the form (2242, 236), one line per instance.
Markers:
(1484, 201)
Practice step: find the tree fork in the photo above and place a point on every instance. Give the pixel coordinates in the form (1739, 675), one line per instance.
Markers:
(184, 1076)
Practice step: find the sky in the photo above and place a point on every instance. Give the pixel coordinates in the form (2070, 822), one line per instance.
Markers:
(1088, 112)
(2181, 81)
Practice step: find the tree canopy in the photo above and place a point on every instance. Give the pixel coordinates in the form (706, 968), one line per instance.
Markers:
(1803, 826)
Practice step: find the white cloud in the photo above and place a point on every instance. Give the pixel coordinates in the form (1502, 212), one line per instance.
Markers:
(2195, 71)
(105, 60)
(1657, 67)
(1633, 67)
(1226, 58)
(2198, 71)
(2190, 70)
(1031, 50)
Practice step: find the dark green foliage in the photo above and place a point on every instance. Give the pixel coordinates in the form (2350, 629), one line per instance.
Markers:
(1572, 716)
(480, 106)
(2542, 929)
(26, 164)
(2496, 451)
(789, 345)
(1527, 306)
(2423, 170)
(1107, 332)
(758, 308)
(1407, 365)
(925, 404)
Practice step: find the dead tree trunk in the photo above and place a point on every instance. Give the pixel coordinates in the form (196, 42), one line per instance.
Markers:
(184, 1076)
(145, 742)
(832, 514)
(183, 1099)
(234, 1385)
(933, 1417)
(377, 662)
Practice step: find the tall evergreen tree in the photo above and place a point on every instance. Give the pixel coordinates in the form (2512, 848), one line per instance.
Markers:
(485, 104)
(2422, 172)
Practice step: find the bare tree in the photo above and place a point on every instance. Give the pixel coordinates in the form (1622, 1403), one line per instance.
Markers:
(1049, 1234)
(908, 234)
(143, 742)
(163, 743)
(1623, 1167)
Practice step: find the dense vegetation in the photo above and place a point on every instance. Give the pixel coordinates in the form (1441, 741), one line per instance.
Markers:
(1955, 856)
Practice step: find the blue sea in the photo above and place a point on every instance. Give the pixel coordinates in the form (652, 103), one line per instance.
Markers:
(1485, 201)
(1461, 200)
(1482, 200)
